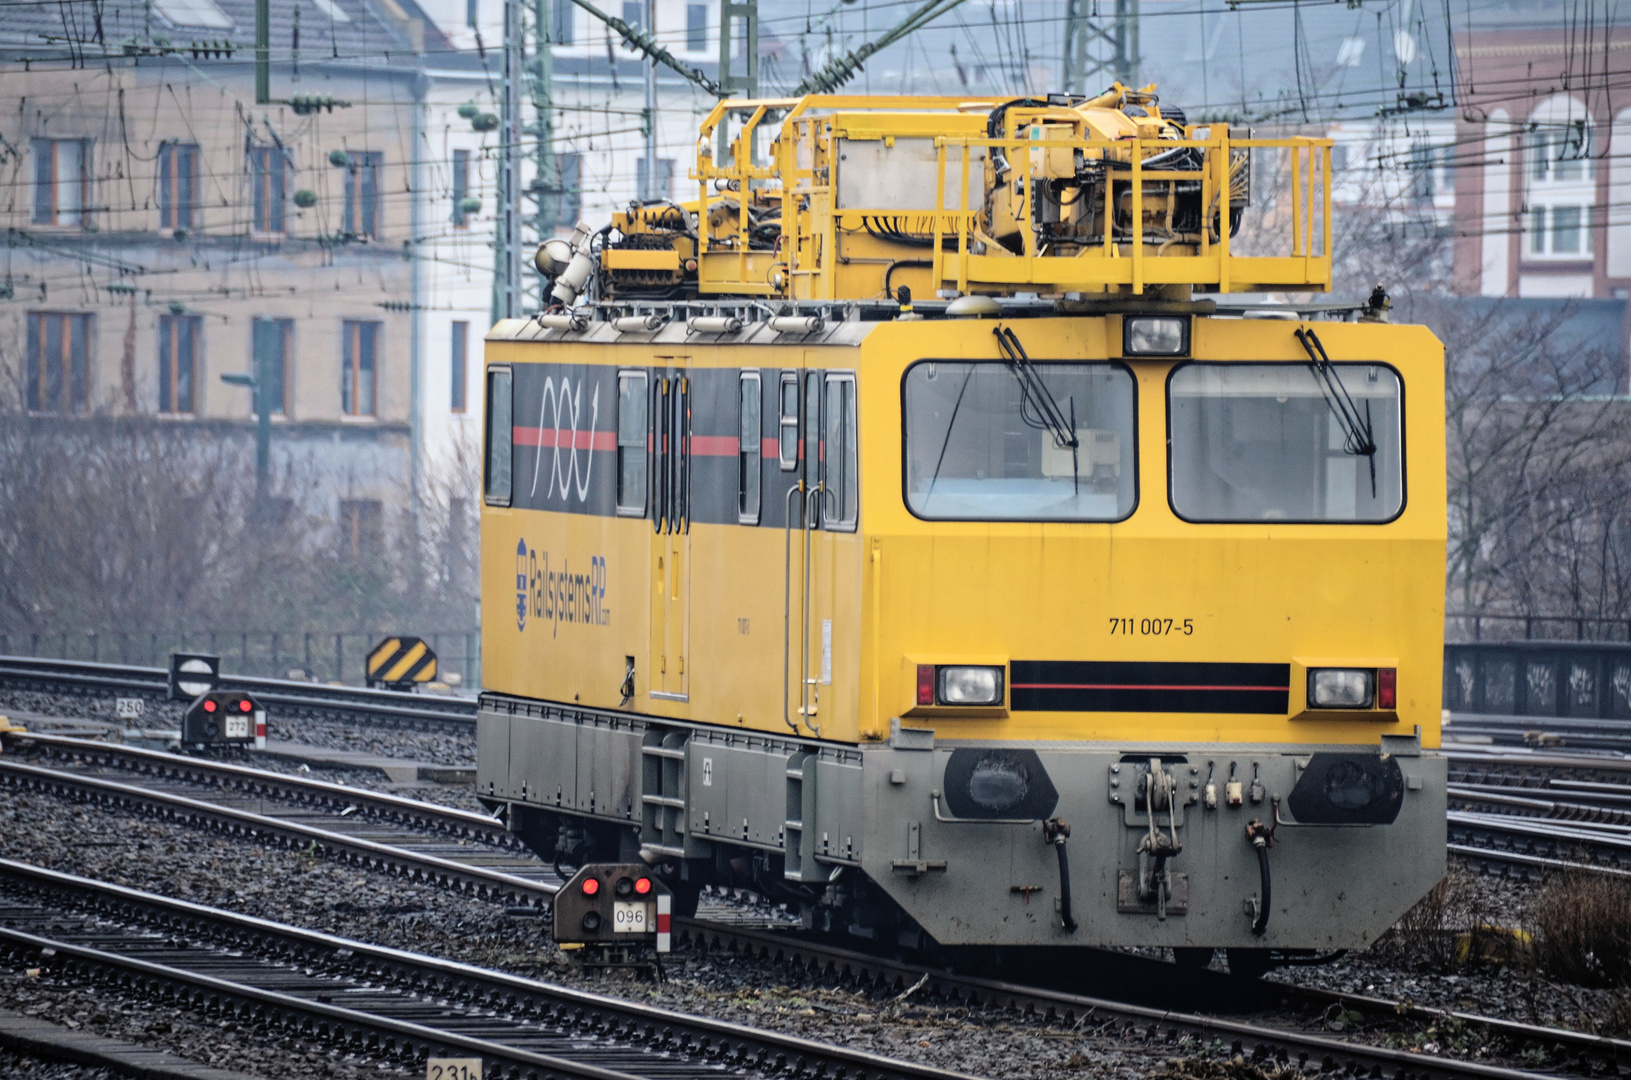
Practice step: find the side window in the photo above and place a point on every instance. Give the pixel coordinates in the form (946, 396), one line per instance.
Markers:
(812, 442)
(839, 457)
(750, 449)
(500, 436)
(631, 443)
(789, 445)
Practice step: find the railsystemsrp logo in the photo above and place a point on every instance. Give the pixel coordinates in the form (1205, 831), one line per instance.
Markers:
(559, 596)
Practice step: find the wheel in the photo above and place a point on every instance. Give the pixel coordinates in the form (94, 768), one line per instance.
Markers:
(1192, 959)
(1249, 963)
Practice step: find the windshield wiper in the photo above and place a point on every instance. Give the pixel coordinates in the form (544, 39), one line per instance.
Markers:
(946, 442)
(1358, 437)
(1037, 407)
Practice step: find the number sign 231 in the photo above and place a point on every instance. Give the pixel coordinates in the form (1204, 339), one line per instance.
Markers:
(453, 1069)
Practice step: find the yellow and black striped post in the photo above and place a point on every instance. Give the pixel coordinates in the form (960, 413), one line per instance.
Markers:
(399, 662)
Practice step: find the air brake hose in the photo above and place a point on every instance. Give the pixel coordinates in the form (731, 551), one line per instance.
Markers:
(1261, 837)
(1261, 923)
(1064, 887)
(1055, 832)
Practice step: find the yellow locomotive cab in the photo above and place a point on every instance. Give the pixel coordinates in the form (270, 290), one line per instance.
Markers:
(878, 605)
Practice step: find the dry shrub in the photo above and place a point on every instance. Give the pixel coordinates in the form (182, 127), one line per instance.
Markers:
(1446, 930)
(1237, 1068)
(1583, 930)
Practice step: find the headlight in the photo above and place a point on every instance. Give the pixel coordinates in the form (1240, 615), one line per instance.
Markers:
(1341, 688)
(1155, 335)
(965, 685)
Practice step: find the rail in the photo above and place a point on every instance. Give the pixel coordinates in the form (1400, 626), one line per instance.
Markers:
(1157, 1023)
(596, 1035)
(291, 698)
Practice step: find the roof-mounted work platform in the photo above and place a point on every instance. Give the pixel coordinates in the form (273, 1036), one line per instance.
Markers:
(856, 196)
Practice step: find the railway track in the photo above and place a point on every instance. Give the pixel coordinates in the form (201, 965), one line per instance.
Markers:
(290, 700)
(1533, 768)
(400, 849)
(385, 1002)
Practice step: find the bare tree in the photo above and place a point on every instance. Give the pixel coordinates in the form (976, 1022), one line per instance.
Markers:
(1538, 462)
(128, 524)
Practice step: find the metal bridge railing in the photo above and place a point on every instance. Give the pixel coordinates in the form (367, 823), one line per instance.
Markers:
(1480, 626)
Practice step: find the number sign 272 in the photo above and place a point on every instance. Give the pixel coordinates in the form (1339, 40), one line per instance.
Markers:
(453, 1069)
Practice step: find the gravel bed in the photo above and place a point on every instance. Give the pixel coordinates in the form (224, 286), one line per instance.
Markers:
(434, 922)
(13, 1064)
(432, 748)
(1500, 985)
(303, 890)
(458, 796)
(157, 711)
(112, 1012)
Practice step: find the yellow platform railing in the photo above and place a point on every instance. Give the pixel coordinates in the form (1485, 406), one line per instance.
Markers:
(806, 260)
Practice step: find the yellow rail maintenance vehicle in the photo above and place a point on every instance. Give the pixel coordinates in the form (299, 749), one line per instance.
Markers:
(910, 529)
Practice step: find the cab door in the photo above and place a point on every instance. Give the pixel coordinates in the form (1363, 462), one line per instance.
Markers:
(827, 506)
(671, 529)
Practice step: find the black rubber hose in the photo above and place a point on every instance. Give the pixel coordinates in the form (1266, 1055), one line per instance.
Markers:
(1261, 923)
(1064, 887)
(898, 263)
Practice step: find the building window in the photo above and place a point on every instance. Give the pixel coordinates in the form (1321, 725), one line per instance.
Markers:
(750, 449)
(178, 362)
(362, 193)
(565, 12)
(631, 443)
(59, 379)
(270, 342)
(461, 188)
(634, 13)
(664, 188)
(567, 201)
(696, 27)
(472, 13)
(357, 377)
(459, 359)
(61, 181)
(267, 179)
(178, 185)
(1560, 183)
(1423, 159)
(361, 528)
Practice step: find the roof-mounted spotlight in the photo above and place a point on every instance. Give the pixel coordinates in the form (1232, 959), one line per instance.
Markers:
(1155, 335)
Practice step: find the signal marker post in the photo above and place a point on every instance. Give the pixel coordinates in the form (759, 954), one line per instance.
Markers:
(397, 663)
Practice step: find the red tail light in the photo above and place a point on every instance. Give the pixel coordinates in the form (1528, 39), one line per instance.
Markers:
(1387, 688)
(925, 684)
(209, 706)
(590, 886)
(642, 885)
